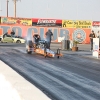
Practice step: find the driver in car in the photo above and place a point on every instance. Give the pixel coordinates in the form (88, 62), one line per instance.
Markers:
(36, 38)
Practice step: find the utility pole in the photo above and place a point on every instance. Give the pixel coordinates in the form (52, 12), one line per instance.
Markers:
(7, 7)
(15, 7)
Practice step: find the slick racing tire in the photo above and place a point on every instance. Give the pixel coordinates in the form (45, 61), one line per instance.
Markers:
(29, 52)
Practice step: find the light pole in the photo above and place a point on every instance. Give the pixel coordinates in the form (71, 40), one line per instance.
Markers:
(7, 7)
(15, 7)
(47, 9)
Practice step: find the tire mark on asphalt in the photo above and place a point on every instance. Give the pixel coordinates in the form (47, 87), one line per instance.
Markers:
(19, 63)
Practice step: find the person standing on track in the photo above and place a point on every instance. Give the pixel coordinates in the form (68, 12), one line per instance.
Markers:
(49, 35)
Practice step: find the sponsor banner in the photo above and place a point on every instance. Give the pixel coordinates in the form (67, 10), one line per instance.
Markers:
(1, 32)
(81, 35)
(96, 23)
(76, 24)
(68, 23)
(96, 27)
(82, 24)
(19, 21)
(46, 22)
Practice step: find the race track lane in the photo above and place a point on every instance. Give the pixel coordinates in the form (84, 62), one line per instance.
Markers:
(67, 78)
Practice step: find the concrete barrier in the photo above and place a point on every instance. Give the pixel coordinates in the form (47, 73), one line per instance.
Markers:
(15, 87)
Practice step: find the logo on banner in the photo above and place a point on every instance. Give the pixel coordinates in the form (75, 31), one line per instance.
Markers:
(46, 21)
(96, 23)
(79, 35)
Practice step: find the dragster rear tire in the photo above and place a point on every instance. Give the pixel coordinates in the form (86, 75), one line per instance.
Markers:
(29, 52)
(58, 57)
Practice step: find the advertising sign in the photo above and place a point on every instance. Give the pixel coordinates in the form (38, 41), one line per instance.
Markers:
(20, 21)
(96, 23)
(46, 22)
(96, 47)
(76, 24)
(81, 35)
(68, 23)
(1, 32)
(96, 27)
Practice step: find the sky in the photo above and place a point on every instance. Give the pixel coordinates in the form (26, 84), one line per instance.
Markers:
(55, 9)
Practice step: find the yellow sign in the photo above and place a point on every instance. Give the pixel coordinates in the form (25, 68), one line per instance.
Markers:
(19, 21)
(68, 23)
(76, 24)
(82, 24)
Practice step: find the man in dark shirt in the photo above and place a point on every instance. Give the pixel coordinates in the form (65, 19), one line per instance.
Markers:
(92, 35)
(36, 38)
(49, 34)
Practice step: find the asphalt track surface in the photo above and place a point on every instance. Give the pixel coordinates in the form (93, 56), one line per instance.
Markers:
(72, 77)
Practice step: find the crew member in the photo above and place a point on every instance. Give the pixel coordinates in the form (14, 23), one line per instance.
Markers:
(49, 35)
(92, 35)
(36, 38)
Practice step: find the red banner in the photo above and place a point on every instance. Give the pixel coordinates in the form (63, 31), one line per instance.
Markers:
(96, 23)
(46, 22)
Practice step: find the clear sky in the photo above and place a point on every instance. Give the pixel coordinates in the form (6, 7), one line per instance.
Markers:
(59, 9)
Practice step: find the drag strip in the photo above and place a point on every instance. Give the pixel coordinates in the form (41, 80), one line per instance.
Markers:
(71, 77)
